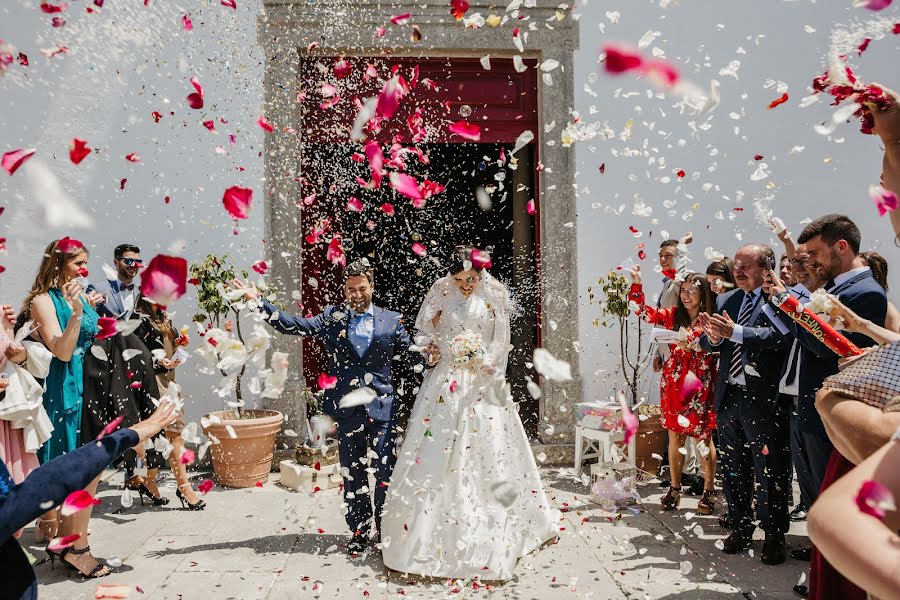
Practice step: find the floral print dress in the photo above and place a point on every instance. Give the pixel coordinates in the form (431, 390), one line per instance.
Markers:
(686, 409)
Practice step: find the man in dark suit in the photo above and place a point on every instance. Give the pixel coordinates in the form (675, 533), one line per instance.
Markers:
(832, 244)
(752, 424)
(120, 294)
(362, 341)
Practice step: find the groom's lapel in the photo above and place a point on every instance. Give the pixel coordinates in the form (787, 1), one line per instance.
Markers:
(378, 330)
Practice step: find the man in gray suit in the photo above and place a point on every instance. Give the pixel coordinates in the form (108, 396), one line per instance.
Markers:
(120, 294)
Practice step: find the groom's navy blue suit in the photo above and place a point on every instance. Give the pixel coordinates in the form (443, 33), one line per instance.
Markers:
(360, 428)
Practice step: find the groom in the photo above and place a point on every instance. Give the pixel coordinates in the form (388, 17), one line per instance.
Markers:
(362, 342)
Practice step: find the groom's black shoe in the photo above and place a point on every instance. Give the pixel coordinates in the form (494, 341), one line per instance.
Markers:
(357, 545)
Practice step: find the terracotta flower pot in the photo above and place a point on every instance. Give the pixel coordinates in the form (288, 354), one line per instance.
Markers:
(245, 459)
(652, 438)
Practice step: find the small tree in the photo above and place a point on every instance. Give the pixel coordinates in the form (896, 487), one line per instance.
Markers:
(210, 276)
(616, 309)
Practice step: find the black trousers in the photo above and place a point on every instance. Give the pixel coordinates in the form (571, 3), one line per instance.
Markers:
(365, 446)
(755, 451)
(811, 455)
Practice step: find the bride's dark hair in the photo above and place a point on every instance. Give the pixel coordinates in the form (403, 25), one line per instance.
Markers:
(462, 260)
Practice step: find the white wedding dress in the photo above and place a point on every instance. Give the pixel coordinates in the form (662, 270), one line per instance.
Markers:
(466, 497)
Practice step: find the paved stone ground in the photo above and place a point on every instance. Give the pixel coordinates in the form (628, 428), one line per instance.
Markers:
(270, 543)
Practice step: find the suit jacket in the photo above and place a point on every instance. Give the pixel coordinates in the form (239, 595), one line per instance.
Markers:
(113, 306)
(390, 341)
(864, 296)
(764, 350)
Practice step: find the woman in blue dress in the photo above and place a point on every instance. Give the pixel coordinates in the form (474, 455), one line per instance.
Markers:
(66, 323)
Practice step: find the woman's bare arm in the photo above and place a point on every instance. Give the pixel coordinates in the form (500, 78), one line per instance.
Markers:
(60, 342)
(864, 549)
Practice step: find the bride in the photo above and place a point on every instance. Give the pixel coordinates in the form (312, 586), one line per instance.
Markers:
(465, 497)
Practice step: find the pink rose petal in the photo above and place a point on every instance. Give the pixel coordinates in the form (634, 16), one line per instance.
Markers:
(187, 23)
(205, 486)
(375, 156)
(14, 159)
(76, 502)
(885, 200)
(354, 204)
(230, 4)
(342, 68)
(106, 328)
(875, 499)
(466, 130)
(531, 207)
(263, 122)
(401, 19)
(113, 591)
(480, 259)
(335, 253)
(164, 280)
(112, 425)
(388, 209)
(50, 9)
(260, 267)
(211, 125)
(690, 386)
(419, 249)
(187, 457)
(406, 185)
(61, 543)
(389, 98)
(195, 99)
(872, 4)
(629, 420)
(329, 90)
(327, 382)
(237, 201)
(133, 157)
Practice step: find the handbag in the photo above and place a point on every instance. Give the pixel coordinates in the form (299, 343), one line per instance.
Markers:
(873, 378)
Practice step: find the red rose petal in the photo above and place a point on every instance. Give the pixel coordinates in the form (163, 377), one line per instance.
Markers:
(76, 502)
(778, 101)
(237, 201)
(14, 159)
(164, 280)
(195, 99)
(78, 150)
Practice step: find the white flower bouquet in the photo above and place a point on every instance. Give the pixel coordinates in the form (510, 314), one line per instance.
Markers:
(467, 351)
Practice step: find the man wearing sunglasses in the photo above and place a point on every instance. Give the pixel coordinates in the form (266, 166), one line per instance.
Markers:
(120, 293)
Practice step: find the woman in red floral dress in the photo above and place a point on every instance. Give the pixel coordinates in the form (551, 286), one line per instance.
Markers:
(687, 381)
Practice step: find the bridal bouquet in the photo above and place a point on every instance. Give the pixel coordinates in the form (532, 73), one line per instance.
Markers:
(686, 340)
(467, 351)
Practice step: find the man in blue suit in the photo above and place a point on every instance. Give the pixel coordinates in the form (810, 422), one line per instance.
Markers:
(362, 341)
(752, 424)
(120, 294)
(832, 244)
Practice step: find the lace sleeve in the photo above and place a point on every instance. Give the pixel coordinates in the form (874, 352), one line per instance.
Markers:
(434, 302)
(498, 300)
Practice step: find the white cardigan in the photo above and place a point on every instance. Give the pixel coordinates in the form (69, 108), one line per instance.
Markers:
(23, 404)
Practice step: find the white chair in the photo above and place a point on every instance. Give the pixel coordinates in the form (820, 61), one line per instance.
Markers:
(600, 446)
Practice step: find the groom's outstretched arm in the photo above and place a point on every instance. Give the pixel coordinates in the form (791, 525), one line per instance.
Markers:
(292, 324)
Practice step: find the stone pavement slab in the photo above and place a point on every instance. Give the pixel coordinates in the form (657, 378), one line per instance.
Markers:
(271, 543)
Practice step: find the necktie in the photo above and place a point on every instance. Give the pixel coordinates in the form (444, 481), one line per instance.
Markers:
(792, 365)
(737, 355)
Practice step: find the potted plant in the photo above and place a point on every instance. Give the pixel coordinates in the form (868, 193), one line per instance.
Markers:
(243, 441)
(634, 355)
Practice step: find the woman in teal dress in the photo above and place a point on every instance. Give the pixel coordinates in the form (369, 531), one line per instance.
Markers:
(66, 323)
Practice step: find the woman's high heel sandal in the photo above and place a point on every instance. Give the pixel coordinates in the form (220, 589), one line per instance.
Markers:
(99, 570)
(198, 505)
(143, 490)
(707, 504)
(672, 499)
